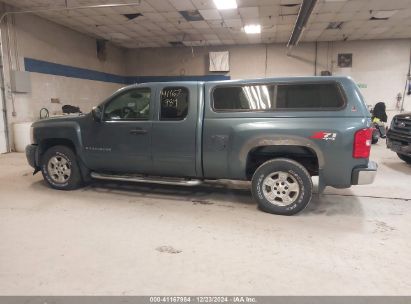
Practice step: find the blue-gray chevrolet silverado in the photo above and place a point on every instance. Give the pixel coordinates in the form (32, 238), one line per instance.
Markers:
(275, 132)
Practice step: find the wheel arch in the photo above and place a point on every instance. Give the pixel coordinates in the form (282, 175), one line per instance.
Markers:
(47, 143)
(302, 150)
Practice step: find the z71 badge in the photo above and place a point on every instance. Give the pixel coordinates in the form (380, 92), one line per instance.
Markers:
(324, 135)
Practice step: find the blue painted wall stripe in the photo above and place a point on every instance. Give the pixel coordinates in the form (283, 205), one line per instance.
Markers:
(46, 67)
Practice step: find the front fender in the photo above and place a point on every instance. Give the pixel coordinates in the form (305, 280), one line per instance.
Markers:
(59, 130)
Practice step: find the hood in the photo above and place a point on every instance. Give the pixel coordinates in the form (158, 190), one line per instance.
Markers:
(59, 118)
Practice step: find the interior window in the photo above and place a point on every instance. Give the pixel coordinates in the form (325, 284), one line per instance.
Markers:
(174, 103)
(130, 105)
(248, 97)
(309, 96)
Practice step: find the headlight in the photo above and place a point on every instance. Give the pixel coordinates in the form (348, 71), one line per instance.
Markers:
(31, 135)
(393, 122)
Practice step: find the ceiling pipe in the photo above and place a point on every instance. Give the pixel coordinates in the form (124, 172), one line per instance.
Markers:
(304, 14)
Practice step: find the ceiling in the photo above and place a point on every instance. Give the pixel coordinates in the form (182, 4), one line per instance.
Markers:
(162, 22)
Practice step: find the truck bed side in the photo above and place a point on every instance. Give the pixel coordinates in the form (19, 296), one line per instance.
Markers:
(230, 139)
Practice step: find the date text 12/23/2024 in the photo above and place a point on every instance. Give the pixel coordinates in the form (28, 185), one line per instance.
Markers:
(203, 299)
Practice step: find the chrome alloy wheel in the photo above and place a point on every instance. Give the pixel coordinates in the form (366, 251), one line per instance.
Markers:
(59, 169)
(281, 188)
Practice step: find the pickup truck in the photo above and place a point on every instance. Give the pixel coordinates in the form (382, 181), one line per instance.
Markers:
(399, 136)
(275, 132)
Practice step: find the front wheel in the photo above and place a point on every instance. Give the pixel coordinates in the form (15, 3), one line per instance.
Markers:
(60, 168)
(282, 186)
(405, 158)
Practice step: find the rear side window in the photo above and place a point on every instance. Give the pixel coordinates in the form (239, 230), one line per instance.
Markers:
(307, 96)
(174, 103)
(272, 97)
(252, 97)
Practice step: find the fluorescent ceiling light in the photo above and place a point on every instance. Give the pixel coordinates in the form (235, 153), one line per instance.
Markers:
(225, 4)
(252, 29)
(383, 14)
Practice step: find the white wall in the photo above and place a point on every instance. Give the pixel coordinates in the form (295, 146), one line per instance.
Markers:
(44, 40)
(381, 65)
(247, 61)
(40, 39)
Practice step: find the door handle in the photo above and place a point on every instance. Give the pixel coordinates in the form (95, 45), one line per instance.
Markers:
(137, 131)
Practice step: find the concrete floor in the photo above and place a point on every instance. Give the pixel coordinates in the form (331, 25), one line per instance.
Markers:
(137, 239)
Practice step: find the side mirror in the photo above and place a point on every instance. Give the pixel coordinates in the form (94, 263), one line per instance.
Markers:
(96, 112)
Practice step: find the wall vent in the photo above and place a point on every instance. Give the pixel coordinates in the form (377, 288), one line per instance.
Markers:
(335, 25)
(132, 16)
(193, 15)
(176, 43)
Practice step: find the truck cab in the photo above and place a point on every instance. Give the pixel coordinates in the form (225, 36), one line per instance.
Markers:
(149, 129)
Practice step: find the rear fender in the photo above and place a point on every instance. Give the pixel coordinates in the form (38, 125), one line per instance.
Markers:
(280, 140)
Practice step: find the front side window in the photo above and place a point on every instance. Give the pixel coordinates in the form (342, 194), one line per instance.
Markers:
(174, 103)
(249, 97)
(309, 96)
(130, 105)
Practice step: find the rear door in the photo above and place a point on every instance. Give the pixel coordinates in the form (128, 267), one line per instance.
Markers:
(174, 130)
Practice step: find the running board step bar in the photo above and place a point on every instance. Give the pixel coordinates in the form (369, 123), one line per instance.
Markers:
(148, 179)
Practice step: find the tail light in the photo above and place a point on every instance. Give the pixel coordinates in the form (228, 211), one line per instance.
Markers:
(362, 143)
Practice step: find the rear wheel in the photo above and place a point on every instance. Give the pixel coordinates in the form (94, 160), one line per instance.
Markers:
(60, 168)
(405, 158)
(282, 186)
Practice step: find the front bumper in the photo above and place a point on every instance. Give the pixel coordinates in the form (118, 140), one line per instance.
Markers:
(32, 156)
(399, 146)
(364, 175)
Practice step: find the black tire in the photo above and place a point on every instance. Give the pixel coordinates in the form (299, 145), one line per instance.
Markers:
(65, 155)
(296, 173)
(405, 158)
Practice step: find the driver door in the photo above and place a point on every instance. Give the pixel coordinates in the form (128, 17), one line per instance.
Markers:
(121, 141)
